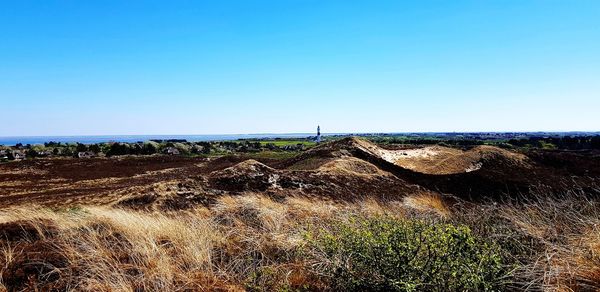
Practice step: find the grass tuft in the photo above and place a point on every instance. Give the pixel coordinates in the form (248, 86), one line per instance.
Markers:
(252, 242)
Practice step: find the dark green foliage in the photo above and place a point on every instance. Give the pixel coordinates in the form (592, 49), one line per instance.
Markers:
(564, 142)
(206, 146)
(95, 148)
(31, 153)
(67, 151)
(118, 149)
(386, 254)
(149, 148)
(81, 148)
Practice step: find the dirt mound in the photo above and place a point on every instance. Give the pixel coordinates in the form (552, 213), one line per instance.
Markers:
(309, 163)
(323, 153)
(335, 158)
(491, 153)
(343, 177)
(246, 175)
(351, 166)
(434, 160)
(438, 160)
(445, 160)
(170, 196)
(250, 167)
(481, 171)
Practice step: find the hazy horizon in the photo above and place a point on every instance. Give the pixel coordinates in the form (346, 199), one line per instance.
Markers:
(242, 67)
(302, 133)
(93, 139)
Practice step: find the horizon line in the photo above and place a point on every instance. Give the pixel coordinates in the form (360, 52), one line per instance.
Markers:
(303, 133)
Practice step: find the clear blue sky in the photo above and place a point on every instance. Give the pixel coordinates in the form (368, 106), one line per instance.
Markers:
(206, 67)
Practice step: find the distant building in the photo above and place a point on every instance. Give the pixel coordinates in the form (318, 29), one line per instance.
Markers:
(171, 151)
(44, 153)
(18, 155)
(86, 154)
(318, 140)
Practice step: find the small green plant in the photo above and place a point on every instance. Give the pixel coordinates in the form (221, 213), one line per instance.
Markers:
(387, 254)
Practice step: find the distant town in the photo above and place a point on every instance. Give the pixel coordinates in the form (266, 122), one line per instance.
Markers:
(545, 140)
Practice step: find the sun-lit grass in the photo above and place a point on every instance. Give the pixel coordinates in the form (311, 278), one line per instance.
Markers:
(256, 242)
(427, 202)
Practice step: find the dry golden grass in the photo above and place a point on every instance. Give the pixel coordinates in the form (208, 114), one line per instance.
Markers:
(352, 166)
(427, 202)
(252, 241)
(112, 249)
(561, 237)
(241, 241)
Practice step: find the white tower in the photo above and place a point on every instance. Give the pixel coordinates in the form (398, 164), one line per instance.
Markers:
(318, 134)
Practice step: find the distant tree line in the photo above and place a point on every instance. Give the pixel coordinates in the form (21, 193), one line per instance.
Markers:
(565, 142)
(562, 142)
(429, 141)
(179, 147)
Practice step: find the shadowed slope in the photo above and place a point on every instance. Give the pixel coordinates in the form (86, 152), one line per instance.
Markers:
(476, 173)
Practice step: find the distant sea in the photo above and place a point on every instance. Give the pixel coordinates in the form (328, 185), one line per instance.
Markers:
(135, 138)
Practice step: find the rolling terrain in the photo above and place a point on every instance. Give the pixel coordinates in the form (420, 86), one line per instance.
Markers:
(234, 223)
(342, 170)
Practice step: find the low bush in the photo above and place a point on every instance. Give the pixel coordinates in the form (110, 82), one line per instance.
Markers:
(387, 254)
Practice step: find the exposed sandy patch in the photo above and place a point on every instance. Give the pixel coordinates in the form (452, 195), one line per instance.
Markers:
(438, 160)
(157, 172)
(352, 166)
(250, 167)
(441, 160)
(430, 159)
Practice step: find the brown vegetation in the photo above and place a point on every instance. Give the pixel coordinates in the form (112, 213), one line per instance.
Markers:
(175, 223)
(250, 241)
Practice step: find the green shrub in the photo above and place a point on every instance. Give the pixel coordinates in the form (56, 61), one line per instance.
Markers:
(384, 254)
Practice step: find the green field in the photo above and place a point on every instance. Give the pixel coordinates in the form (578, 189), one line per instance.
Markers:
(281, 143)
(271, 155)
